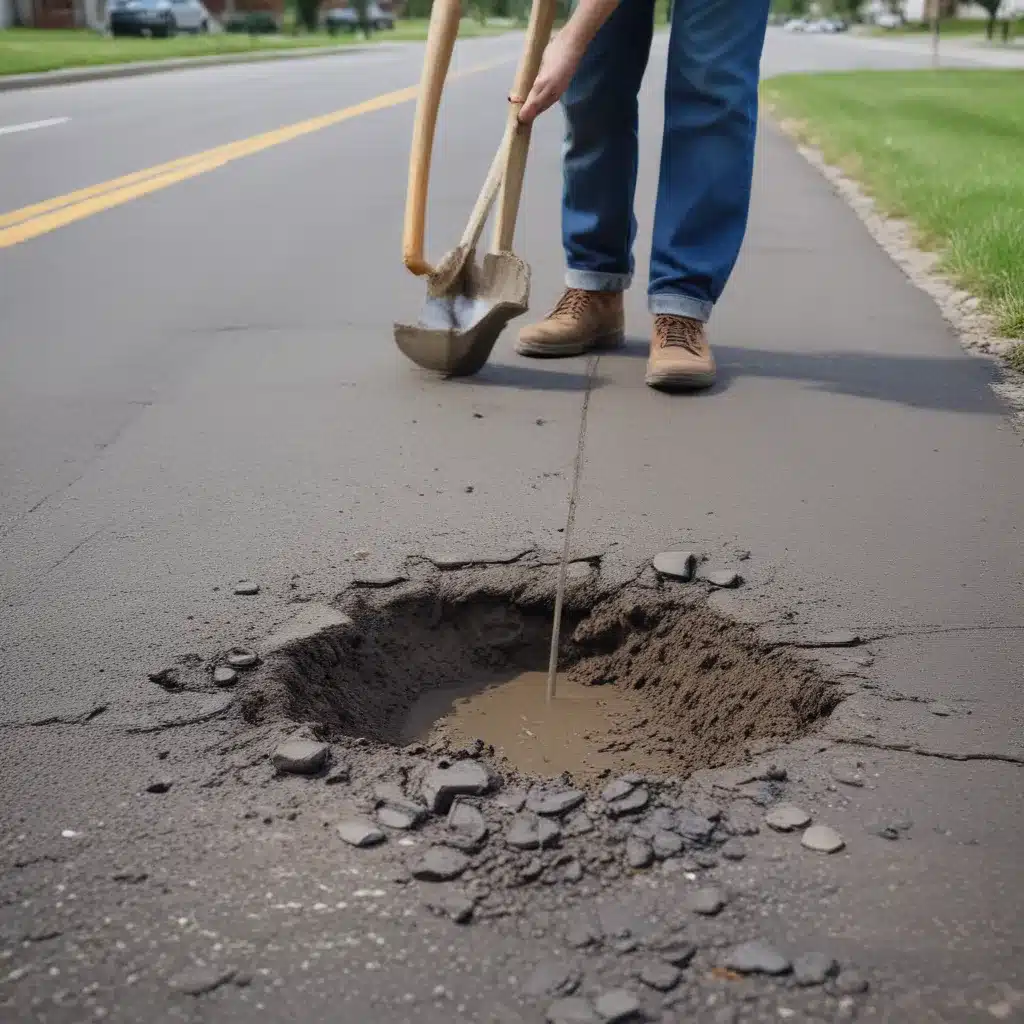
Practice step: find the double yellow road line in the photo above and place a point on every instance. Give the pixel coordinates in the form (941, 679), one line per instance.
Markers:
(40, 218)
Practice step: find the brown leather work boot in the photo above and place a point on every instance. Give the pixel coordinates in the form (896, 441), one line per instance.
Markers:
(581, 321)
(681, 358)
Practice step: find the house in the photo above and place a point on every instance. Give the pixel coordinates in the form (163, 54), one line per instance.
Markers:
(91, 13)
(920, 10)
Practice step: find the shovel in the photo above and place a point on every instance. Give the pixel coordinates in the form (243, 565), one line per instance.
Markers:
(468, 305)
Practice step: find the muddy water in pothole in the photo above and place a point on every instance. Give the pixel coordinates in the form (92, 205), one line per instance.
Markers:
(572, 733)
(660, 685)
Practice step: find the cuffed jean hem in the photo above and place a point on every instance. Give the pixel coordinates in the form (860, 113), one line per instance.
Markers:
(677, 304)
(595, 281)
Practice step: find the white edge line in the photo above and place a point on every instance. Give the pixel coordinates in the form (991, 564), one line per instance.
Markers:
(31, 126)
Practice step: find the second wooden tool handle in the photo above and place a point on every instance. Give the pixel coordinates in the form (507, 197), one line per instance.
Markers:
(441, 35)
(538, 32)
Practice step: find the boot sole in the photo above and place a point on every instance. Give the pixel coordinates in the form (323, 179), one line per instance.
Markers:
(560, 350)
(680, 380)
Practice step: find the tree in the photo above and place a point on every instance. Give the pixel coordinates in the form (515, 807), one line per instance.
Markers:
(791, 8)
(362, 9)
(992, 10)
(848, 9)
(307, 14)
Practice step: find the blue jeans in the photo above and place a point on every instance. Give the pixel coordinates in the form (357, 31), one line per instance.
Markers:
(707, 154)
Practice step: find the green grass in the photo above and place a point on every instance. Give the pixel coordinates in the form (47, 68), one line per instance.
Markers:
(1015, 357)
(941, 148)
(24, 50)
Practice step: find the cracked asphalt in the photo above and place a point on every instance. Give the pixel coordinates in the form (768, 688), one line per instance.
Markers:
(200, 387)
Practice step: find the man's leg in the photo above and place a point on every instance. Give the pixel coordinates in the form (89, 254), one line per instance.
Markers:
(599, 160)
(707, 163)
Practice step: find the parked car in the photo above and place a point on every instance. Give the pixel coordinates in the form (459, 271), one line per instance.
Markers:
(156, 17)
(817, 26)
(346, 19)
(887, 20)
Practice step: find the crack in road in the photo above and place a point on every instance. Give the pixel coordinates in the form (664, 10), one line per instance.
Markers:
(948, 755)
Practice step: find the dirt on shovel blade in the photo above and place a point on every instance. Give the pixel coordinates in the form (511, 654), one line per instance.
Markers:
(457, 329)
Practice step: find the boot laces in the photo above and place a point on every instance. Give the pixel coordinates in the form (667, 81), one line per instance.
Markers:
(573, 304)
(680, 332)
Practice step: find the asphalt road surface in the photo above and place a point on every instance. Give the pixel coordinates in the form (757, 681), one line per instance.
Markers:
(199, 385)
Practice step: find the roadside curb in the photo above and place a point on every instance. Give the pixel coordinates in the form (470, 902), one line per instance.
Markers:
(99, 72)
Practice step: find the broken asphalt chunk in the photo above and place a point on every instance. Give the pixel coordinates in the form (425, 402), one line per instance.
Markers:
(694, 827)
(439, 864)
(360, 833)
(242, 657)
(639, 854)
(301, 757)
(617, 1006)
(823, 839)
(454, 905)
(724, 579)
(708, 901)
(666, 844)
(579, 824)
(814, 969)
(677, 952)
(632, 803)
(851, 983)
(756, 958)
(786, 818)
(660, 976)
(467, 828)
(617, 790)
(571, 1011)
(395, 809)
(443, 785)
(224, 675)
(529, 832)
(554, 804)
(396, 818)
(678, 565)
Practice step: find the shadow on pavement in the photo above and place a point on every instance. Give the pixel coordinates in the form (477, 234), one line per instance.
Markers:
(539, 377)
(951, 384)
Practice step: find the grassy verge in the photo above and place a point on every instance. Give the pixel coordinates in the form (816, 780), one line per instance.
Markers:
(941, 148)
(24, 50)
(949, 27)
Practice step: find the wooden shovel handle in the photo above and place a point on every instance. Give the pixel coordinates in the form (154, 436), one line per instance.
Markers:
(538, 32)
(484, 201)
(441, 35)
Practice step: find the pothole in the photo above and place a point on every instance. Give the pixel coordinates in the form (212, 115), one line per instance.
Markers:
(653, 679)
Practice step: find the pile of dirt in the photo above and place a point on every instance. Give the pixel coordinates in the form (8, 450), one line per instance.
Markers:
(707, 688)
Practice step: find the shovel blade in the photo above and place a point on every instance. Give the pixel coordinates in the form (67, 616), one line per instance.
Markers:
(456, 332)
